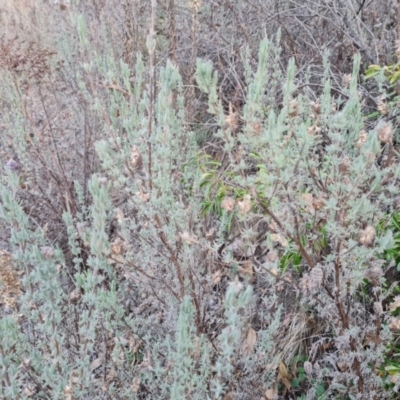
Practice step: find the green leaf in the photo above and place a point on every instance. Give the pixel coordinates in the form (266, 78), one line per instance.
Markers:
(320, 390)
(387, 242)
(392, 369)
(295, 383)
(395, 77)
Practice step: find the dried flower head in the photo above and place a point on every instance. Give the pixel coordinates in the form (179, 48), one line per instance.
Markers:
(142, 196)
(378, 308)
(374, 274)
(394, 324)
(117, 246)
(103, 181)
(293, 108)
(47, 252)
(394, 378)
(316, 276)
(307, 198)
(136, 158)
(228, 204)
(276, 237)
(313, 130)
(367, 236)
(232, 119)
(342, 342)
(346, 80)
(80, 227)
(75, 296)
(344, 166)
(256, 128)
(119, 213)
(245, 204)
(236, 285)
(315, 108)
(272, 256)
(382, 106)
(273, 226)
(395, 304)
(188, 238)
(308, 368)
(384, 131)
(362, 138)
(318, 203)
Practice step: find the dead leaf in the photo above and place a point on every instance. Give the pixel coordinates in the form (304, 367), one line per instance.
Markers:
(98, 362)
(216, 278)
(248, 345)
(283, 371)
(135, 384)
(229, 396)
(276, 237)
(284, 376)
(271, 394)
(287, 320)
(246, 271)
